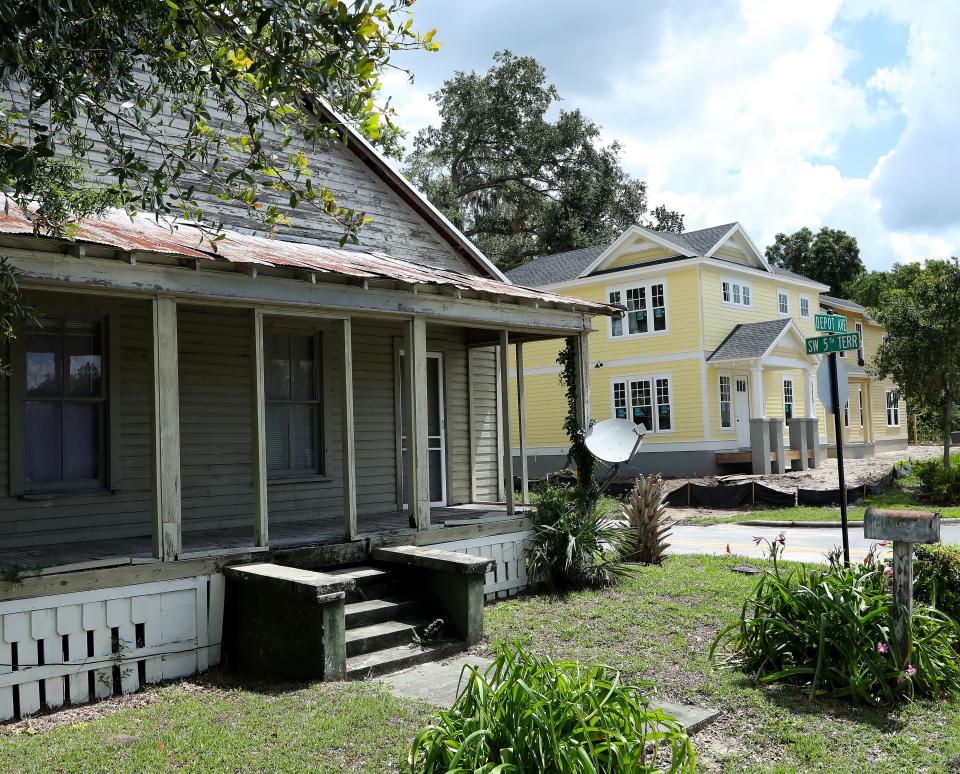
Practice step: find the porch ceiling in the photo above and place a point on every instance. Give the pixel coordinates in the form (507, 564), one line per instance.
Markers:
(143, 237)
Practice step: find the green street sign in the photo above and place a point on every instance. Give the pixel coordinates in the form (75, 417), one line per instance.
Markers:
(821, 345)
(830, 323)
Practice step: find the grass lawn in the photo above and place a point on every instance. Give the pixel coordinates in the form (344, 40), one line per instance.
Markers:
(658, 627)
(895, 498)
(219, 726)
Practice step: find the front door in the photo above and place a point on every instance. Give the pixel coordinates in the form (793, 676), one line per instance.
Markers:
(742, 408)
(436, 430)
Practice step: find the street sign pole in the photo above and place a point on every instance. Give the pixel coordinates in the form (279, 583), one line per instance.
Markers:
(838, 432)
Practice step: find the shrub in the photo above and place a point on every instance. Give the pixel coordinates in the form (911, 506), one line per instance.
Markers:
(644, 511)
(937, 577)
(572, 545)
(938, 484)
(831, 628)
(528, 714)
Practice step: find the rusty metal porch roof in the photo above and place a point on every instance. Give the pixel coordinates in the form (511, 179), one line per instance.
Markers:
(143, 235)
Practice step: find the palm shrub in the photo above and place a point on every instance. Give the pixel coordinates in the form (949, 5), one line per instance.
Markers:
(529, 714)
(937, 580)
(831, 628)
(572, 545)
(645, 511)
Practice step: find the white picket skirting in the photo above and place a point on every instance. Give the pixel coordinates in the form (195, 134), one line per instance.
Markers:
(509, 573)
(70, 648)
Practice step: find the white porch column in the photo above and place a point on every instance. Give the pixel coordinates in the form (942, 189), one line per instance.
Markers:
(506, 449)
(583, 380)
(758, 405)
(418, 457)
(347, 444)
(165, 490)
(260, 516)
(522, 426)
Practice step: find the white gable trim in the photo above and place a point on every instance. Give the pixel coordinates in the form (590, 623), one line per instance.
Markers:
(790, 329)
(738, 229)
(633, 231)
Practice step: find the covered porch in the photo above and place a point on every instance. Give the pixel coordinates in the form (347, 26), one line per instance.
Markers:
(246, 405)
(766, 388)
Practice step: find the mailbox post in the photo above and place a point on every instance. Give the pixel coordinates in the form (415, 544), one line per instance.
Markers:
(904, 528)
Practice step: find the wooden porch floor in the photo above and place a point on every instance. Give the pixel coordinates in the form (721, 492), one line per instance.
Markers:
(78, 554)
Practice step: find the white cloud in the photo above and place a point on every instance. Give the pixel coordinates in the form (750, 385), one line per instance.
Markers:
(740, 111)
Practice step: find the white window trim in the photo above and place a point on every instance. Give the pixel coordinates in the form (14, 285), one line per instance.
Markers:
(732, 426)
(786, 294)
(846, 413)
(652, 378)
(730, 281)
(861, 353)
(647, 284)
(793, 397)
(860, 403)
(894, 408)
(800, 309)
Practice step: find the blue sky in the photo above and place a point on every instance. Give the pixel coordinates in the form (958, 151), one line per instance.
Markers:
(828, 112)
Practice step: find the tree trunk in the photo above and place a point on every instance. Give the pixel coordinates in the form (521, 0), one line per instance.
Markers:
(947, 426)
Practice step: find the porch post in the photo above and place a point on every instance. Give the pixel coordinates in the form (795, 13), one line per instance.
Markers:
(165, 470)
(758, 406)
(583, 380)
(506, 450)
(522, 425)
(811, 403)
(260, 517)
(347, 444)
(418, 457)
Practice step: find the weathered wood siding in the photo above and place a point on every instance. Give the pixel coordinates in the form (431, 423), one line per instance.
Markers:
(485, 420)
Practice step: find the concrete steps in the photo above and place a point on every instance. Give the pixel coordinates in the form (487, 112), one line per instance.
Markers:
(382, 621)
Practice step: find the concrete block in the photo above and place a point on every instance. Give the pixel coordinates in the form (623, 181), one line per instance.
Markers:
(777, 445)
(799, 443)
(285, 622)
(760, 445)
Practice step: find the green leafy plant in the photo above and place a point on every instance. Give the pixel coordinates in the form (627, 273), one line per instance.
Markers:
(830, 628)
(937, 577)
(579, 455)
(645, 511)
(939, 484)
(529, 714)
(573, 546)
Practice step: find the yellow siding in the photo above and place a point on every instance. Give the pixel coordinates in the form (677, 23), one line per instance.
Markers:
(632, 258)
(733, 254)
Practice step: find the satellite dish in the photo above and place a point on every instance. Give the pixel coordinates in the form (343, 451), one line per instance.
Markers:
(614, 440)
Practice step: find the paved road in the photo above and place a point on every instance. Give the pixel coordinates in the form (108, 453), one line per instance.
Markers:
(804, 544)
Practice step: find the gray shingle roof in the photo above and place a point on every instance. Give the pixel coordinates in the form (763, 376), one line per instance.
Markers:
(558, 267)
(792, 274)
(749, 340)
(701, 240)
(841, 303)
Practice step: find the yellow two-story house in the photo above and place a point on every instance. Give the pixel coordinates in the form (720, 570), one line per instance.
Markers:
(712, 337)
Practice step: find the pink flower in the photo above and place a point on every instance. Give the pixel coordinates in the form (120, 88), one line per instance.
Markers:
(757, 540)
(782, 538)
(883, 543)
(889, 570)
(882, 647)
(911, 670)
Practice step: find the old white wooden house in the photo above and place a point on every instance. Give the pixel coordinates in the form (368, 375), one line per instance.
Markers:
(282, 402)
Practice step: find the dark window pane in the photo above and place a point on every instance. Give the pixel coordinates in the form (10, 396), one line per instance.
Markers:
(277, 364)
(433, 396)
(42, 429)
(302, 368)
(663, 416)
(436, 479)
(303, 423)
(84, 366)
(278, 437)
(642, 415)
(43, 364)
(81, 441)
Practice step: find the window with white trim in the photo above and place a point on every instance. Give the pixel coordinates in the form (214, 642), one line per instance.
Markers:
(783, 302)
(787, 398)
(646, 307)
(644, 400)
(805, 307)
(726, 404)
(735, 293)
(292, 403)
(858, 327)
(893, 409)
(846, 413)
(860, 403)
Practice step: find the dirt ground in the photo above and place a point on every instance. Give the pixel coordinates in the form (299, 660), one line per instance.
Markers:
(826, 476)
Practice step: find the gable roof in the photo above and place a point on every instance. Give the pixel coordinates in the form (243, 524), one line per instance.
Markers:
(703, 240)
(558, 267)
(779, 270)
(378, 164)
(750, 340)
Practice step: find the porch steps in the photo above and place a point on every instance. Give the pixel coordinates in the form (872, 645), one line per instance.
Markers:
(382, 620)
